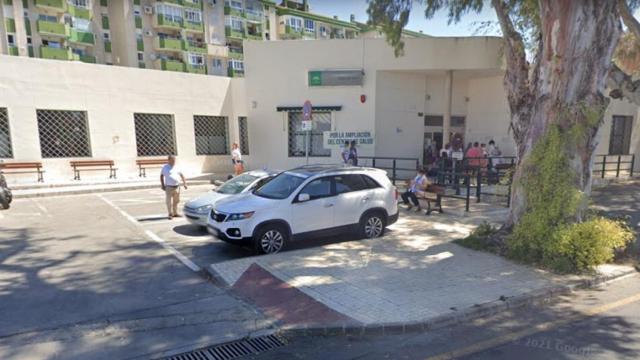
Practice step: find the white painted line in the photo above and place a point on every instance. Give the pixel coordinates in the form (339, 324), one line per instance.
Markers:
(42, 208)
(122, 212)
(1, 216)
(152, 217)
(185, 260)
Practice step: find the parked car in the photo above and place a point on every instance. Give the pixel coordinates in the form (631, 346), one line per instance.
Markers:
(197, 210)
(5, 193)
(305, 202)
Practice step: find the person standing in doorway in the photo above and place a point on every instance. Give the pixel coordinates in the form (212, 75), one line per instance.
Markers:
(236, 159)
(345, 152)
(353, 154)
(171, 178)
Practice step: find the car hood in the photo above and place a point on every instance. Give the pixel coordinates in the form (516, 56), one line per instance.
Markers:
(244, 203)
(209, 198)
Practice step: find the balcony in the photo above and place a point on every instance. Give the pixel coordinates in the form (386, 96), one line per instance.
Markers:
(81, 37)
(138, 21)
(193, 26)
(55, 53)
(235, 73)
(194, 47)
(218, 50)
(196, 4)
(80, 12)
(292, 33)
(163, 21)
(228, 10)
(90, 59)
(196, 69)
(254, 36)
(52, 28)
(13, 50)
(170, 65)
(237, 55)
(253, 15)
(168, 44)
(176, 2)
(234, 33)
(107, 46)
(10, 25)
(55, 5)
(140, 45)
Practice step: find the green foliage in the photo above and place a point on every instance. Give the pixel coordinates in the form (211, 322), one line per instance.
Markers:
(477, 240)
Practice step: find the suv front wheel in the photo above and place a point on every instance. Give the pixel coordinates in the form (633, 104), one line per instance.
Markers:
(372, 225)
(270, 239)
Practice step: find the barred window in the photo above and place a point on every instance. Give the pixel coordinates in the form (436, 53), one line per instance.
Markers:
(155, 134)
(63, 133)
(298, 138)
(243, 132)
(5, 135)
(212, 135)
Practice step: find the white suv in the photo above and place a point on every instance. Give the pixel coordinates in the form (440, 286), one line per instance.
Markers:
(317, 200)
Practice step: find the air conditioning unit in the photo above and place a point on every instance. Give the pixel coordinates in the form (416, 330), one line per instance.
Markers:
(148, 10)
(148, 33)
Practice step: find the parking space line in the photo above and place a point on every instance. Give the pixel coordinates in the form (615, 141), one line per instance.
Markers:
(183, 259)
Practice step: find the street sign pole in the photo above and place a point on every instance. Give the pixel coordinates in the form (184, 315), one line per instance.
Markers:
(307, 125)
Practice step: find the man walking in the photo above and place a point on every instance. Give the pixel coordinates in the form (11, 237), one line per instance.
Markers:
(170, 180)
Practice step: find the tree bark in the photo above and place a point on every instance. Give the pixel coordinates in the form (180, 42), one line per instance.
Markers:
(565, 86)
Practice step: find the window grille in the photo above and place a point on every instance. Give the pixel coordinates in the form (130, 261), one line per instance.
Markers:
(63, 133)
(298, 138)
(212, 135)
(5, 135)
(155, 135)
(620, 138)
(243, 131)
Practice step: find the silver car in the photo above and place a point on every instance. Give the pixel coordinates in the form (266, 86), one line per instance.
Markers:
(197, 210)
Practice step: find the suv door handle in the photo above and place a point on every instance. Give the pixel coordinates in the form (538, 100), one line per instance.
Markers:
(328, 205)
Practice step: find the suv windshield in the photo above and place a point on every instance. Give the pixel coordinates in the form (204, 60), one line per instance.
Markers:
(280, 187)
(237, 184)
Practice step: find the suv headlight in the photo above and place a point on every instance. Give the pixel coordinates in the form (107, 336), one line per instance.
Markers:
(240, 216)
(204, 209)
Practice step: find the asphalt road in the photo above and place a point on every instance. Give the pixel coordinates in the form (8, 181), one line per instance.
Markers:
(602, 323)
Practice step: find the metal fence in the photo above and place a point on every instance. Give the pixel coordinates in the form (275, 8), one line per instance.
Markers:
(211, 135)
(155, 134)
(63, 133)
(243, 132)
(5, 135)
(613, 166)
(398, 169)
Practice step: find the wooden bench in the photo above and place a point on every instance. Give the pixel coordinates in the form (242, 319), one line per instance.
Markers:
(144, 164)
(433, 194)
(23, 168)
(91, 165)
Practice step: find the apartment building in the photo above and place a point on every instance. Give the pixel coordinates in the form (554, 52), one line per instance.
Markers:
(193, 36)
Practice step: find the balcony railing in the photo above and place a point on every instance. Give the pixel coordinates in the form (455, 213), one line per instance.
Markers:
(52, 28)
(55, 53)
(84, 58)
(292, 33)
(197, 69)
(169, 44)
(235, 73)
(218, 50)
(196, 4)
(253, 15)
(234, 33)
(170, 65)
(58, 5)
(228, 10)
(81, 37)
(236, 55)
(176, 2)
(80, 12)
(165, 21)
(193, 26)
(140, 45)
(195, 47)
(107, 46)
(254, 36)
(13, 50)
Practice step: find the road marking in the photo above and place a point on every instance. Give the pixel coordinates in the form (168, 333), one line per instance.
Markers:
(42, 208)
(185, 260)
(1, 216)
(488, 344)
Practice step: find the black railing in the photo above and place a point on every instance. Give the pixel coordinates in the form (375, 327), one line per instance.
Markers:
(613, 166)
(398, 168)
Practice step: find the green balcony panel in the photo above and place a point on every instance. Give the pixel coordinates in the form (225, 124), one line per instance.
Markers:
(8, 2)
(52, 28)
(196, 4)
(167, 22)
(105, 22)
(59, 5)
(141, 65)
(254, 36)
(106, 3)
(27, 26)
(13, 51)
(170, 44)
(193, 26)
(31, 52)
(172, 65)
(138, 20)
(253, 16)
(79, 12)
(228, 10)
(82, 37)
(10, 25)
(235, 73)
(197, 69)
(136, 2)
(107, 46)
(140, 45)
(234, 33)
(176, 2)
(88, 59)
(236, 55)
(196, 48)
(54, 53)
(25, 4)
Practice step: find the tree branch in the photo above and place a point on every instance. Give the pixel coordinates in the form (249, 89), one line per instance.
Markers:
(623, 86)
(627, 18)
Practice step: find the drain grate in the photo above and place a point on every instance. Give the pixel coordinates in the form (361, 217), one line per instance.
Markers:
(233, 350)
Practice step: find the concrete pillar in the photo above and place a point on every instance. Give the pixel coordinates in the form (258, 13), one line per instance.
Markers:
(446, 124)
(21, 31)
(4, 46)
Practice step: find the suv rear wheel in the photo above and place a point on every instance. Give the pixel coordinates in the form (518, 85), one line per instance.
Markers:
(270, 239)
(372, 225)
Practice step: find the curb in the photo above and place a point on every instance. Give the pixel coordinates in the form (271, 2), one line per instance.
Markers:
(537, 297)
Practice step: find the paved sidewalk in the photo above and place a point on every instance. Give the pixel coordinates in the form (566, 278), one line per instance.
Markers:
(413, 274)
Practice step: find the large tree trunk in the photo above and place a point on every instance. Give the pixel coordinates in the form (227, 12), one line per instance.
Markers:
(565, 87)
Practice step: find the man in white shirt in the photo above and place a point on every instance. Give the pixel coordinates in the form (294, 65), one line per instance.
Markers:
(236, 159)
(171, 178)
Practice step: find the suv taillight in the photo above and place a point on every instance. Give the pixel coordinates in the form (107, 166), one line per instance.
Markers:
(395, 191)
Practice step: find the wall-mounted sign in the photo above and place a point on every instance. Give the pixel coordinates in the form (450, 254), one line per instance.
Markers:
(336, 77)
(336, 139)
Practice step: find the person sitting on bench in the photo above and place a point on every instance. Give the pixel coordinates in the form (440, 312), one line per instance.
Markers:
(419, 183)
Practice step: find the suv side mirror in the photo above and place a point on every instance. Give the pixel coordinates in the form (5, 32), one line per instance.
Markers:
(303, 197)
